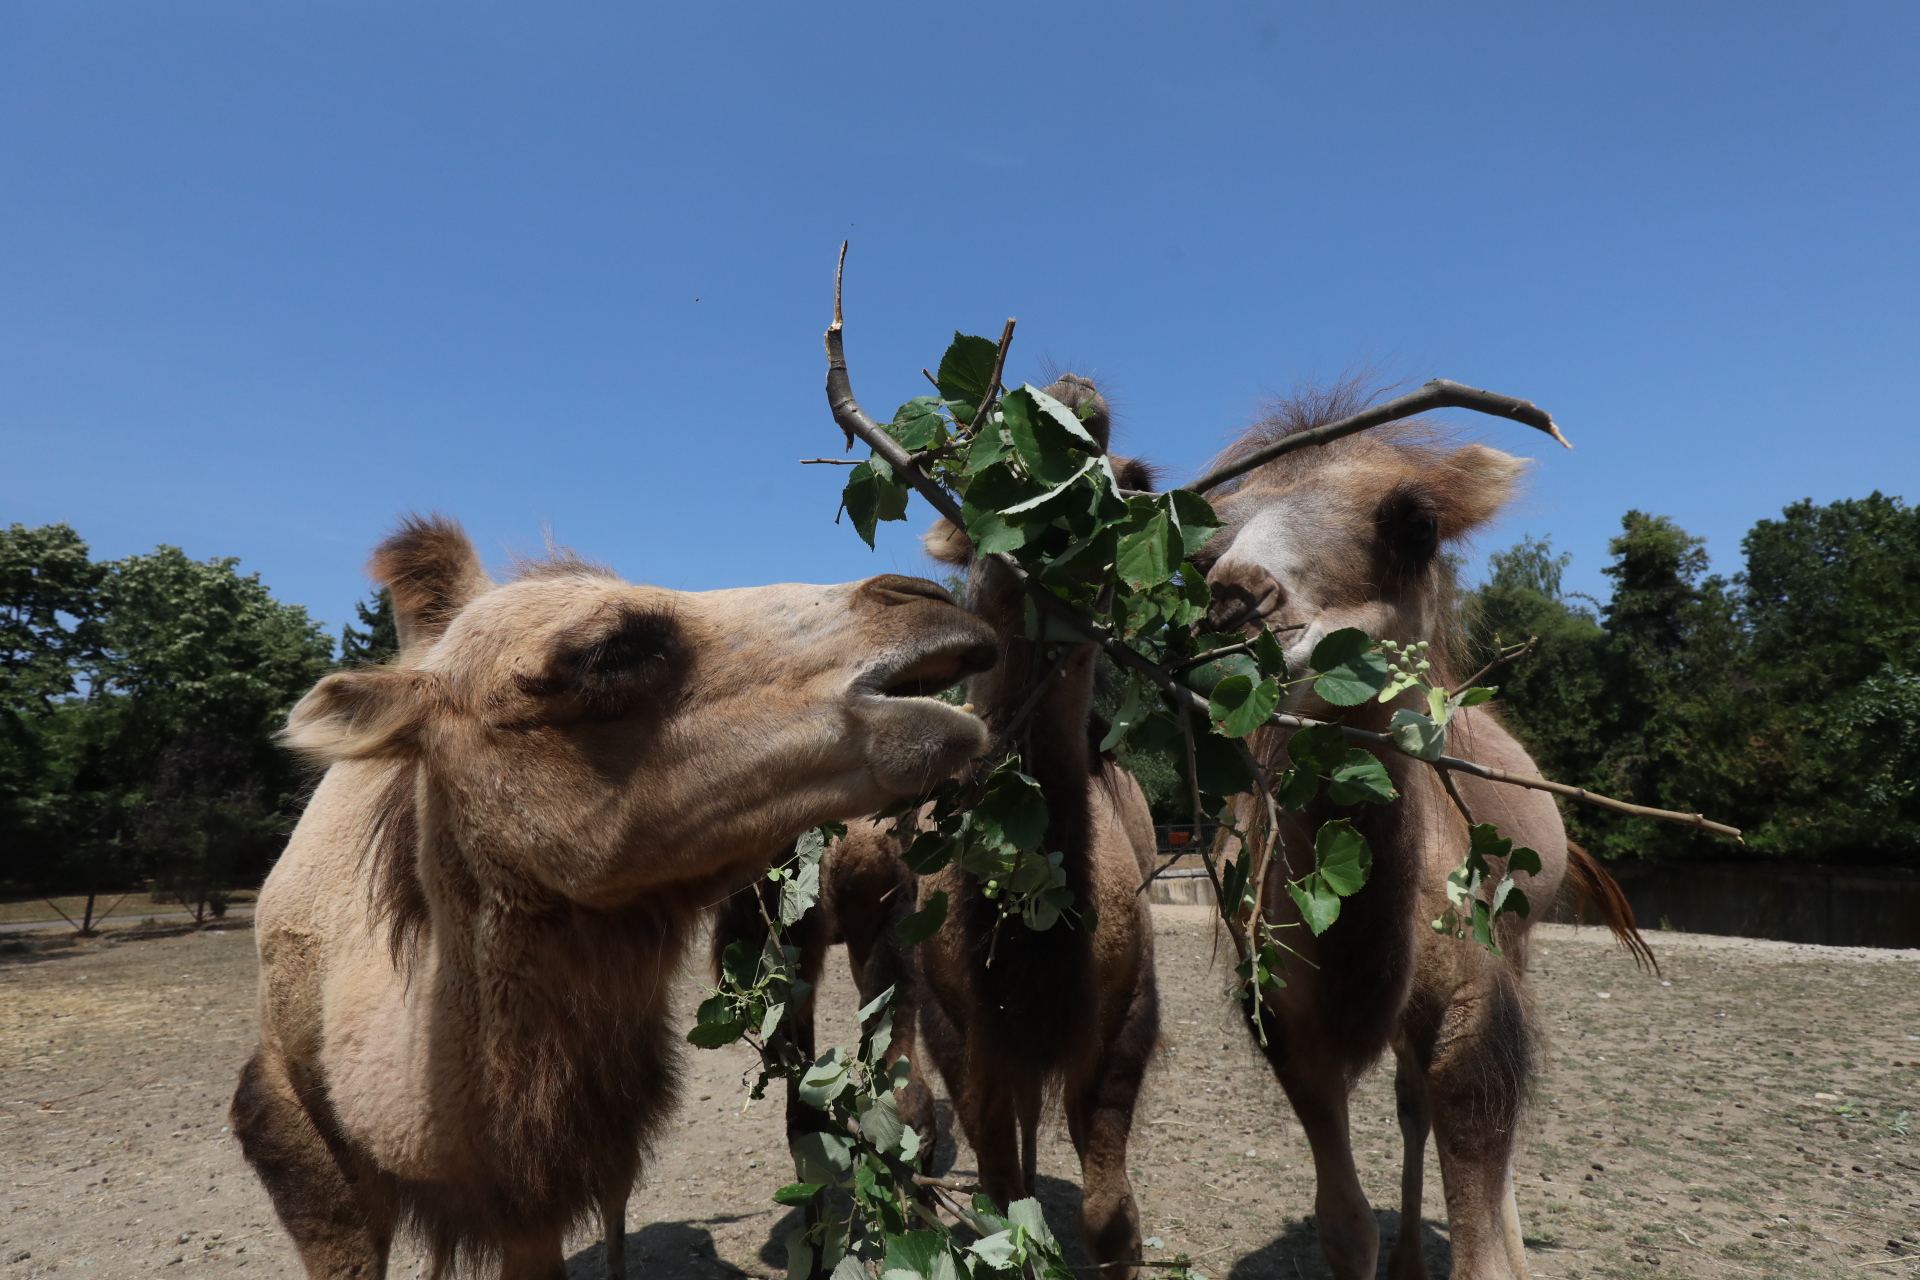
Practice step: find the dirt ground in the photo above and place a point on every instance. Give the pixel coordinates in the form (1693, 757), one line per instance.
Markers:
(1743, 1116)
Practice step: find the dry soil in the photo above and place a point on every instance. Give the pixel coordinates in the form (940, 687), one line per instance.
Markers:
(1746, 1114)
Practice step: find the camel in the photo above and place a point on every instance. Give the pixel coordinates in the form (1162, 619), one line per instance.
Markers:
(1350, 535)
(468, 947)
(1059, 1008)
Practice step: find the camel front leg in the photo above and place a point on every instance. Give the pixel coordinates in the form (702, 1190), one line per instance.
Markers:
(1318, 1090)
(1475, 1086)
(613, 1222)
(1100, 1121)
(1407, 1262)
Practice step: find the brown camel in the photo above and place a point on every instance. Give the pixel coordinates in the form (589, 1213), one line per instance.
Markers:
(468, 947)
(1006, 1018)
(1350, 535)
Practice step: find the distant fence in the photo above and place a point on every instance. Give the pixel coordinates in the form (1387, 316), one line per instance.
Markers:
(1832, 906)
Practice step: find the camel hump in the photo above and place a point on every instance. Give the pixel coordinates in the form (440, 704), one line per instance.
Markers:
(432, 571)
(1594, 883)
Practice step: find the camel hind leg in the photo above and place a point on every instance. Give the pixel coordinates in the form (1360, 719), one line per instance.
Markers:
(1476, 1083)
(342, 1230)
(1408, 1262)
(1100, 1122)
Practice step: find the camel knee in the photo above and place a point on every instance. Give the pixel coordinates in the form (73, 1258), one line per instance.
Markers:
(327, 1211)
(1110, 1226)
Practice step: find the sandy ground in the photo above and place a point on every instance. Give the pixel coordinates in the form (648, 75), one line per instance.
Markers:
(1740, 1117)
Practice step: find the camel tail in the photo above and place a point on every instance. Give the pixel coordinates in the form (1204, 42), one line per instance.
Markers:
(1594, 883)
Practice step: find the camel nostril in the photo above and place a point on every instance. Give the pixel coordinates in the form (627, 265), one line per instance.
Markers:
(895, 588)
(1242, 594)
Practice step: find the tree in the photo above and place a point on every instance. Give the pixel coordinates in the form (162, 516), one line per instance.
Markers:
(380, 642)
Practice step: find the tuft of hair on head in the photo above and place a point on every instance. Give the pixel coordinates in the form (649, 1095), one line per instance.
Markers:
(947, 542)
(1474, 482)
(1080, 394)
(431, 570)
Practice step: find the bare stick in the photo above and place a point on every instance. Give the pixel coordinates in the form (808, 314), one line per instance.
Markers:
(1438, 394)
(830, 462)
(1501, 659)
(1459, 801)
(993, 383)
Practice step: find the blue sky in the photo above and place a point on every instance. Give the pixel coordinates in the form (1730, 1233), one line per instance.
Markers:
(273, 273)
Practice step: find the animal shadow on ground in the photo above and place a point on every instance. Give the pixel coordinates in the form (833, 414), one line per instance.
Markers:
(1295, 1253)
(667, 1250)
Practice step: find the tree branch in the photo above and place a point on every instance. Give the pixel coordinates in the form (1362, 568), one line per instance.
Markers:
(993, 383)
(1438, 394)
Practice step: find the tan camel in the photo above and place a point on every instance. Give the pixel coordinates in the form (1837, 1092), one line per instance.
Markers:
(468, 947)
(1055, 1009)
(1350, 535)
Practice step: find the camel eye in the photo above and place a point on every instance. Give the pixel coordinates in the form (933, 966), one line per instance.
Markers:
(608, 672)
(640, 640)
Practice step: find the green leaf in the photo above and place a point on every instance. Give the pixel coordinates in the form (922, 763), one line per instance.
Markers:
(1418, 736)
(1360, 779)
(1240, 706)
(1474, 697)
(861, 498)
(1319, 905)
(998, 1250)
(1059, 488)
(824, 1081)
(1053, 447)
(880, 1121)
(1268, 654)
(1523, 859)
(1142, 558)
(923, 924)
(1221, 771)
(798, 1194)
(917, 423)
(1233, 879)
(716, 1024)
(1013, 811)
(799, 891)
(1296, 788)
(966, 369)
(1351, 669)
(1027, 1213)
(1196, 518)
(987, 449)
(914, 1253)
(1341, 857)
(992, 534)
(1133, 707)
(1318, 748)
(996, 489)
(1203, 678)
(929, 852)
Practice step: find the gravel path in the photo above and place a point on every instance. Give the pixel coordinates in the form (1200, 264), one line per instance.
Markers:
(1740, 1116)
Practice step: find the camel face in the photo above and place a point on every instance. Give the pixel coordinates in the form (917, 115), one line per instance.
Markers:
(603, 738)
(1349, 535)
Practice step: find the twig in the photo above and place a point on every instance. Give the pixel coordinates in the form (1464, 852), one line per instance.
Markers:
(1227, 650)
(1501, 659)
(830, 462)
(993, 383)
(1206, 855)
(1438, 394)
(1038, 692)
(1459, 801)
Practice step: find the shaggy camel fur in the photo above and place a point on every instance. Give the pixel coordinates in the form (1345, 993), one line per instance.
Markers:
(1055, 1009)
(467, 948)
(1349, 535)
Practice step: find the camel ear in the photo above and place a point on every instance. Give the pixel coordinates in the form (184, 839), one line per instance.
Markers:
(1135, 473)
(432, 571)
(1473, 484)
(374, 713)
(948, 543)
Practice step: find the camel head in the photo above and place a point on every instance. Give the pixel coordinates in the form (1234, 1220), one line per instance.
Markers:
(1349, 534)
(997, 596)
(603, 738)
